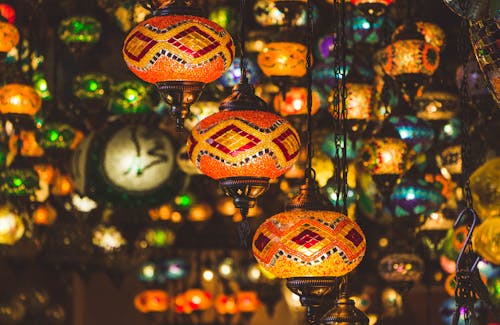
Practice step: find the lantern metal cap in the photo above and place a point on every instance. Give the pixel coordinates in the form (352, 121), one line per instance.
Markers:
(176, 7)
(344, 313)
(243, 98)
(309, 198)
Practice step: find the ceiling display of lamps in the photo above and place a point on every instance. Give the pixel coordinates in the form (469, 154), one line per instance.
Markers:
(180, 51)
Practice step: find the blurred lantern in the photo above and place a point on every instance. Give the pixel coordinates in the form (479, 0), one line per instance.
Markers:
(175, 269)
(485, 187)
(193, 300)
(436, 221)
(163, 212)
(92, 86)
(55, 314)
(183, 161)
(41, 85)
(62, 185)
(225, 305)
(180, 52)
(58, 136)
(283, 62)
(448, 265)
(225, 16)
(386, 157)
(18, 99)
(109, 238)
(289, 243)
(432, 33)
(436, 107)
(151, 301)
(8, 13)
(329, 148)
(79, 33)
(401, 270)
(130, 163)
(199, 111)
(486, 240)
(450, 132)
(325, 77)
(25, 144)
(449, 160)
(358, 103)
(226, 268)
(256, 41)
(415, 197)
(247, 301)
(372, 8)
(280, 13)
(416, 133)
(159, 237)
(468, 9)
(243, 146)
(130, 97)
(233, 75)
(325, 48)
(18, 182)
(448, 308)
(9, 37)
(82, 203)
(200, 212)
(494, 290)
(331, 192)
(148, 272)
(11, 225)
(362, 301)
(294, 102)
(359, 29)
(44, 215)
(410, 62)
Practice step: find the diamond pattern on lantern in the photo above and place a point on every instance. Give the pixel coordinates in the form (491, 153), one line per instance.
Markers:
(354, 236)
(288, 142)
(232, 140)
(138, 45)
(307, 238)
(261, 242)
(194, 41)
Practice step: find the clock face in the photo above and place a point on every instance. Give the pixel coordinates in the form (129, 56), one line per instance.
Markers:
(137, 159)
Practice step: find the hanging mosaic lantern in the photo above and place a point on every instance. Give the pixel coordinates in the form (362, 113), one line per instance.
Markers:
(436, 107)
(372, 8)
(415, 197)
(130, 97)
(18, 99)
(360, 30)
(401, 270)
(431, 33)
(92, 86)
(309, 239)
(294, 102)
(180, 52)
(127, 162)
(79, 33)
(410, 62)
(278, 13)
(58, 136)
(9, 37)
(8, 13)
(449, 160)
(485, 188)
(243, 146)
(485, 240)
(359, 101)
(18, 182)
(416, 133)
(225, 16)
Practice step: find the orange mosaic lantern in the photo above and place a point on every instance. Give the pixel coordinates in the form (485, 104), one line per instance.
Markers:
(247, 301)
(9, 37)
(309, 239)
(18, 99)
(25, 144)
(359, 105)
(193, 300)
(295, 102)
(179, 51)
(151, 301)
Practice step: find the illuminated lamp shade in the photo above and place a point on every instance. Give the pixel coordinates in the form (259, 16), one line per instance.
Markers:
(309, 239)
(175, 269)
(9, 37)
(485, 240)
(484, 35)
(199, 111)
(193, 300)
(283, 61)
(130, 97)
(180, 52)
(410, 62)
(401, 270)
(159, 237)
(58, 136)
(233, 75)
(294, 102)
(449, 162)
(485, 187)
(79, 33)
(469, 9)
(151, 301)
(415, 197)
(41, 85)
(148, 272)
(415, 132)
(225, 305)
(11, 225)
(8, 13)
(109, 238)
(247, 301)
(278, 13)
(359, 105)
(128, 162)
(449, 306)
(18, 99)
(44, 215)
(243, 146)
(18, 182)
(372, 8)
(436, 107)
(432, 33)
(62, 185)
(92, 86)
(200, 212)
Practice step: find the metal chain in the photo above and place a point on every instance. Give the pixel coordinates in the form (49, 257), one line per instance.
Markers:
(243, 63)
(309, 172)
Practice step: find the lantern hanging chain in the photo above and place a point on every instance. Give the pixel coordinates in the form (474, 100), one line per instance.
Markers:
(309, 33)
(243, 62)
(343, 110)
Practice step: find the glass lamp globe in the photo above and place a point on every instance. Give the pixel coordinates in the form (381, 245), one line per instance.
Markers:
(8, 13)
(485, 187)
(175, 269)
(279, 13)
(18, 99)
(432, 33)
(359, 105)
(58, 136)
(436, 107)
(193, 300)
(130, 97)
(294, 102)
(485, 240)
(151, 301)
(92, 86)
(401, 270)
(79, 33)
(9, 37)
(11, 225)
(180, 52)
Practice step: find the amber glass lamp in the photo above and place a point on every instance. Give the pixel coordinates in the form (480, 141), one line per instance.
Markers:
(9, 37)
(180, 51)
(359, 106)
(294, 102)
(19, 99)
(372, 8)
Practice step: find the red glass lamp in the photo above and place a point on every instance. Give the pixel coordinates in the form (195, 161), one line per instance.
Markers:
(180, 52)
(8, 13)
(294, 102)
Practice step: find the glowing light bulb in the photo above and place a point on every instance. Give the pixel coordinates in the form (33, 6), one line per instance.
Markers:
(15, 100)
(297, 104)
(208, 275)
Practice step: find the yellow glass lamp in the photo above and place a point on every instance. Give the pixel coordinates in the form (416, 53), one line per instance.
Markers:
(11, 225)
(9, 37)
(18, 99)
(151, 301)
(180, 52)
(485, 187)
(486, 240)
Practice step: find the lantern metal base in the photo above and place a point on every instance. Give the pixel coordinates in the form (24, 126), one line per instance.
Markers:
(314, 292)
(180, 95)
(244, 190)
(344, 313)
